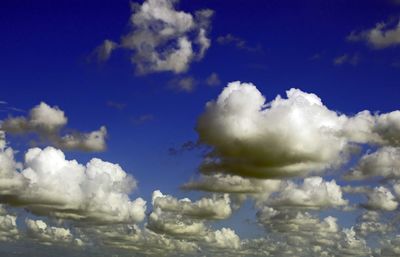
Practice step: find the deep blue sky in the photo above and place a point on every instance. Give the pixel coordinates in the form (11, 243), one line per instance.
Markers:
(45, 50)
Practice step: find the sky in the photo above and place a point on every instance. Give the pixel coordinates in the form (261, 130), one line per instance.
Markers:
(200, 128)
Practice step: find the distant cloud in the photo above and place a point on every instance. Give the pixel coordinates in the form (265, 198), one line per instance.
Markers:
(116, 105)
(183, 84)
(380, 37)
(47, 122)
(162, 38)
(237, 42)
(346, 58)
(213, 80)
(143, 119)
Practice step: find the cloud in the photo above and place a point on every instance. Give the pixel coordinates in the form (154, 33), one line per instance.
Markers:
(237, 42)
(380, 37)
(205, 208)
(369, 223)
(144, 118)
(39, 231)
(47, 122)
(314, 193)
(213, 80)
(380, 198)
(50, 185)
(292, 136)
(233, 184)
(385, 162)
(346, 58)
(8, 226)
(286, 137)
(163, 38)
(103, 51)
(185, 84)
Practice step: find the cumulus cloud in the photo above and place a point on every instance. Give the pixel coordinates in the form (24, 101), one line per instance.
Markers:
(314, 193)
(39, 231)
(385, 162)
(292, 136)
(185, 84)
(47, 122)
(380, 198)
(54, 186)
(163, 38)
(8, 226)
(370, 223)
(381, 36)
(205, 208)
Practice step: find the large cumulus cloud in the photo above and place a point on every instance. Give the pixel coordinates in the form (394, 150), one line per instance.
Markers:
(48, 184)
(291, 136)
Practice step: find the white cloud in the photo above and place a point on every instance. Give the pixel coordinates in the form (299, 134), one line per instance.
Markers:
(286, 137)
(163, 38)
(314, 193)
(95, 193)
(103, 51)
(370, 223)
(351, 245)
(38, 230)
(205, 208)
(223, 238)
(8, 226)
(292, 136)
(385, 162)
(346, 58)
(379, 37)
(380, 198)
(47, 121)
(222, 183)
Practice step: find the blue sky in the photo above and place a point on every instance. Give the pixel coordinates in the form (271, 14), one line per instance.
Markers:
(51, 53)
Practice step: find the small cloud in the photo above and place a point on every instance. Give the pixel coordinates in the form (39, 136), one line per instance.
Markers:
(382, 36)
(186, 146)
(103, 51)
(238, 43)
(315, 57)
(143, 119)
(346, 58)
(116, 105)
(213, 80)
(185, 84)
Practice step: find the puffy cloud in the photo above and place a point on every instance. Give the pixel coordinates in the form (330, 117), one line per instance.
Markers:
(369, 223)
(380, 198)
(390, 247)
(313, 193)
(186, 84)
(48, 235)
(291, 136)
(385, 162)
(224, 238)
(8, 226)
(286, 137)
(379, 37)
(95, 193)
(205, 208)
(47, 121)
(163, 38)
(351, 245)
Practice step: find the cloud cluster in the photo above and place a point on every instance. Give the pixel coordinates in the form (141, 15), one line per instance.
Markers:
(38, 230)
(163, 38)
(47, 122)
(314, 193)
(50, 185)
(292, 136)
(379, 37)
